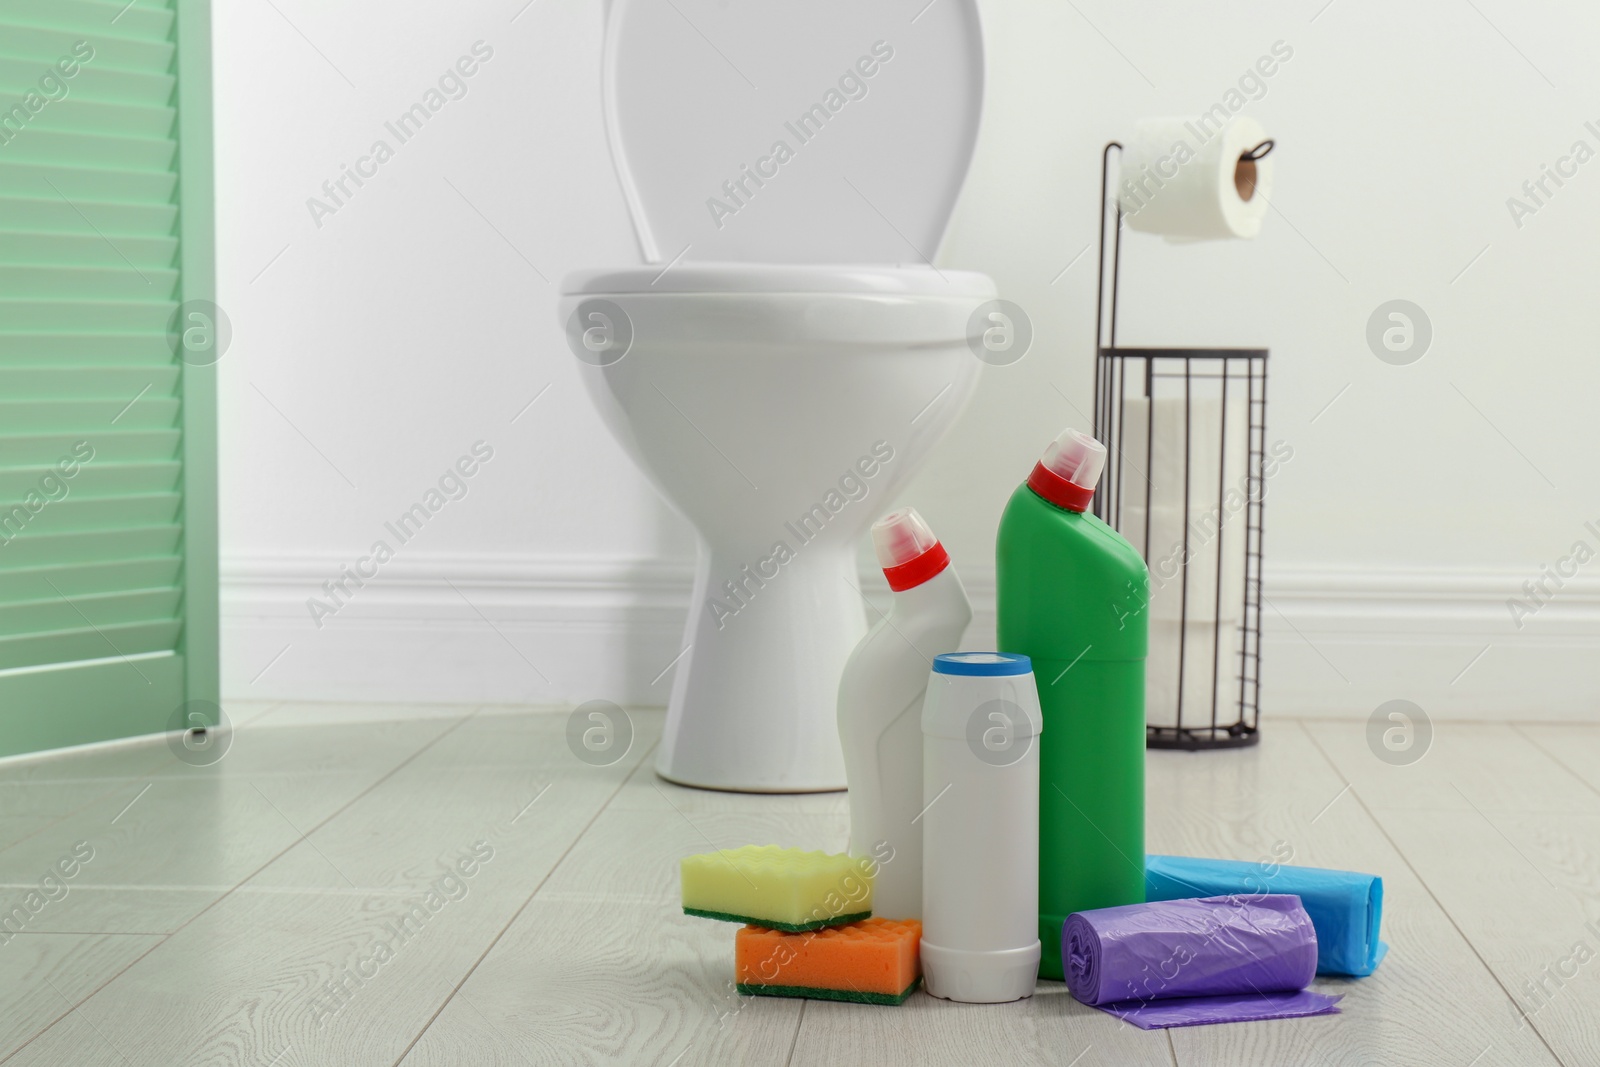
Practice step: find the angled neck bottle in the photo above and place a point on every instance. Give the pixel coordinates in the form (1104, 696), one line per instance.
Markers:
(1072, 596)
(880, 706)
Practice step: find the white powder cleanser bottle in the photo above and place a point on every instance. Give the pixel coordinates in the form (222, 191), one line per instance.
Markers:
(980, 849)
(880, 707)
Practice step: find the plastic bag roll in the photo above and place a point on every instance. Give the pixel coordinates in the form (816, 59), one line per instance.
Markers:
(1187, 962)
(1345, 907)
(1185, 178)
(1186, 948)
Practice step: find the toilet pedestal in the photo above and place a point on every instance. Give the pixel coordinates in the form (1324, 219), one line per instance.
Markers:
(757, 711)
(778, 328)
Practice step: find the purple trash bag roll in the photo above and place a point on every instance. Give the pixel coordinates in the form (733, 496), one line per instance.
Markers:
(1190, 962)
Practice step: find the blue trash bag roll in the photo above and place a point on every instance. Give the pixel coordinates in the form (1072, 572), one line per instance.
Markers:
(1345, 907)
(1192, 962)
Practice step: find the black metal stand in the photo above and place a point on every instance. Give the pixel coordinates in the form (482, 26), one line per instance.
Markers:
(1145, 373)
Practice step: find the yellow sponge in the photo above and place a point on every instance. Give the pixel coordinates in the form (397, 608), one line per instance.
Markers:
(778, 888)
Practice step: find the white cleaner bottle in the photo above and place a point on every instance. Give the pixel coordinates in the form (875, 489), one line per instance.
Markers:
(880, 706)
(980, 857)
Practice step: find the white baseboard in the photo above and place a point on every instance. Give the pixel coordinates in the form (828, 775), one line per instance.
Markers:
(523, 629)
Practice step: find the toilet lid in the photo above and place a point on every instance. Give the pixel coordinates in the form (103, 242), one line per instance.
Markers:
(792, 131)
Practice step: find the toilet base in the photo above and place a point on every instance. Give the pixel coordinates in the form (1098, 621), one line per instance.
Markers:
(754, 700)
(776, 791)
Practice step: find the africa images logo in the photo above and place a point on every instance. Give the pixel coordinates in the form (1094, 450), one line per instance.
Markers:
(853, 486)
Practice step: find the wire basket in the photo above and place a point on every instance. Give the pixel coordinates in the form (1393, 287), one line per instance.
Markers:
(1185, 436)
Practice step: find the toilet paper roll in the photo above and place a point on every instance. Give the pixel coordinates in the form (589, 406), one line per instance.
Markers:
(1187, 180)
(1207, 669)
(1211, 545)
(1154, 465)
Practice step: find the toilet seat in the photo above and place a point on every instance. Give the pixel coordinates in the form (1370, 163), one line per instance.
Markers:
(834, 278)
(876, 106)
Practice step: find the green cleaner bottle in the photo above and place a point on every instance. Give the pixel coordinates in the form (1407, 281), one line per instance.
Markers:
(1071, 596)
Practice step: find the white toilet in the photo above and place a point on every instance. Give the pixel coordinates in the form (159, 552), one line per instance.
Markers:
(787, 358)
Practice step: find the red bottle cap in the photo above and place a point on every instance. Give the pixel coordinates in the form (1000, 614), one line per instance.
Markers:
(907, 549)
(1067, 473)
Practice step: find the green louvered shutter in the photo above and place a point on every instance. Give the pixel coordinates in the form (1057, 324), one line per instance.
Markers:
(108, 592)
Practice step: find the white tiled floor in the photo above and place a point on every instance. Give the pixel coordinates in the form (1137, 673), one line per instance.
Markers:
(233, 913)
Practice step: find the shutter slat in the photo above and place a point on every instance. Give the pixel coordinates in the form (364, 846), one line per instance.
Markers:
(145, 20)
(89, 416)
(87, 514)
(111, 316)
(27, 650)
(92, 83)
(87, 579)
(103, 283)
(68, 612)
(93, 547)
(96, 479)
(47, 45)
(70, 383)
(73, 513)
(121, 446)
(117, 120)
(77, 184)
(54, 249)
(55, 215)
(85, 349)
(40, 144)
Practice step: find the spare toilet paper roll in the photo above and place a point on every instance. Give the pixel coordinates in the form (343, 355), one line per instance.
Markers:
(1215, 539)
(1154, 466)
(1185, 178)
(1188, 962)
(1160, 457)
(1210, 670)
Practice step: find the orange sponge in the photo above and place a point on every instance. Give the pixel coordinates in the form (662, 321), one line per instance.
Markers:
(873, 961)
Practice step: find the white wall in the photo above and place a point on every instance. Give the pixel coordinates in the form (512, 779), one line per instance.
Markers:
(373, 351)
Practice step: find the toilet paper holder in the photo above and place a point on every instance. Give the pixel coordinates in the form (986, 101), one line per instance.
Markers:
(1202, 540)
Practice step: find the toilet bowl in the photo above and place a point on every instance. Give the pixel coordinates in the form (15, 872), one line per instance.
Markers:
(788, 356)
